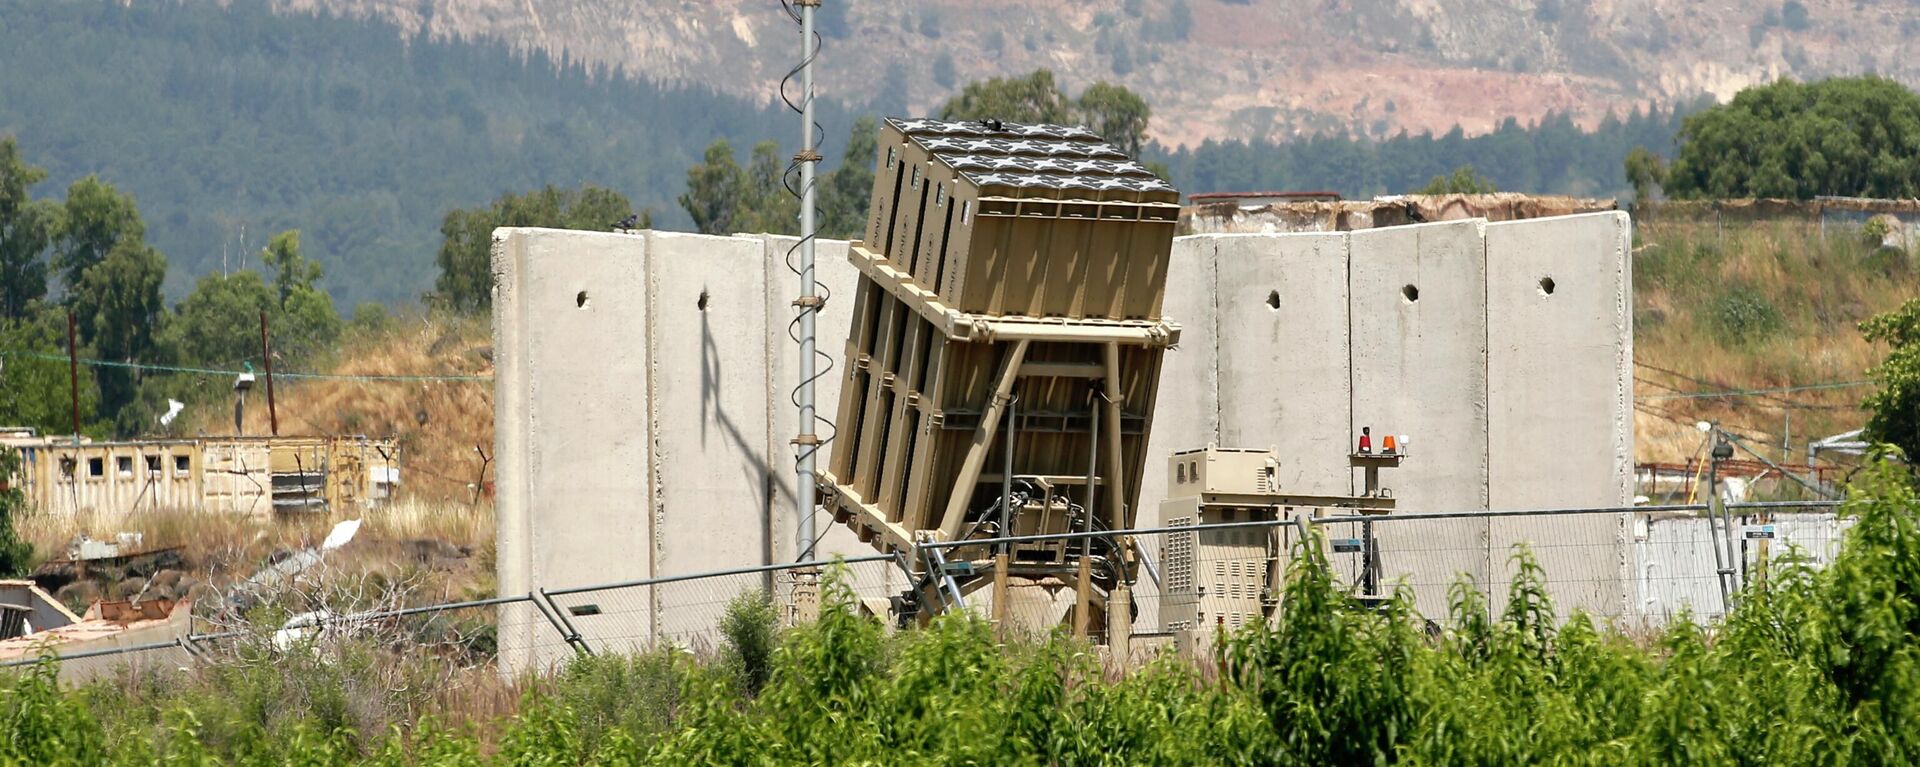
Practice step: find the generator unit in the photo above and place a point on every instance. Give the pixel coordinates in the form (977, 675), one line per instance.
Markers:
(1004, 355)
(1229, 570)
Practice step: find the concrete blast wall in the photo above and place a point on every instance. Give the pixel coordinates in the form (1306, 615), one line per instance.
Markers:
(644, 416)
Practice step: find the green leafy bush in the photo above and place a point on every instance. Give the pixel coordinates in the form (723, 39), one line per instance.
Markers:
(1813, 667)
(1742, 316)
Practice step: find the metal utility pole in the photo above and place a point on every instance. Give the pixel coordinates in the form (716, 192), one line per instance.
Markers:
(73, 372)
(266, 353)
(809, 301)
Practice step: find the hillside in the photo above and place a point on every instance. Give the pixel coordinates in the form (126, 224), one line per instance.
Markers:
(1770, 307)
(1237, 68)
(229, 125)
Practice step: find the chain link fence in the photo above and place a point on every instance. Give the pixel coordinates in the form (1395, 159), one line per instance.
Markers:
(1632, 566)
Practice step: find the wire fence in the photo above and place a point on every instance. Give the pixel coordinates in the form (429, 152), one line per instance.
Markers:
(1632, 566)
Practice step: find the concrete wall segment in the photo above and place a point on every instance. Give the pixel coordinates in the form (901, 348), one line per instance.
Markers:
(1418, 311)
(1283, 354)
(709, 321)
(643, 421)
(1560, 399)
(568, 341)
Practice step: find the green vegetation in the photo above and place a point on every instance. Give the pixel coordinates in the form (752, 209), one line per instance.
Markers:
(1895, 408)
(364, 140)
(230, 123)
(1814, 667)
(466, 246)
(1756, 305)
(1463, 180)
(1550, 156)
(109, 280)
(15, 554)
(1117, 114)
(1857, 137)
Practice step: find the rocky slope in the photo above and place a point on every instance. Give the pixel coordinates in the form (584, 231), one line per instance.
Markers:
(1238, 68)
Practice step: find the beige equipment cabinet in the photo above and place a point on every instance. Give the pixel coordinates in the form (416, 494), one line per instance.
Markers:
(1012, 278)
(1228, 577)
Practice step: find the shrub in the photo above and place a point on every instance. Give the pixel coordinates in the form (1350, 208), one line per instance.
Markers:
(1741, 316)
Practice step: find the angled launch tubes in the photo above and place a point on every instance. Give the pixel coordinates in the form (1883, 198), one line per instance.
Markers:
(1012, 278)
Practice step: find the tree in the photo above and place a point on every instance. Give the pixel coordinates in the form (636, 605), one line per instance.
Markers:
(1794, 15)
(465, 257)
(1179, 21)
(1894, 410)
(97, 218)
(218, 324)
(1464, 180)
(33, 375)
(943, 73)
(1646, 172)
(1855, 136)
(15, 554)
(120, 311)
(1031, 99)
(845, 193)
(26, 229)
(1119, 115)
(304, 320)
(723, 198)
(716, 190)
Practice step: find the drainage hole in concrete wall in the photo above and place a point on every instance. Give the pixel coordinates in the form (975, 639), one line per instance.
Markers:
(580, 300)
(1273, 300)
(1546, 285)
(702, 303)
(1410, 293)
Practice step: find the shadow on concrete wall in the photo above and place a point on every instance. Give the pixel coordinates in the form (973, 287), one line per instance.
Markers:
(757, 473)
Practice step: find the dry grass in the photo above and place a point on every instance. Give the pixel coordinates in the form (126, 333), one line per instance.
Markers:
(437, 424)
(444, 550)
(1755, 307)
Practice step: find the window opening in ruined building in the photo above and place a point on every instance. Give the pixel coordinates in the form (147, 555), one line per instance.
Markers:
(124, 465)
(96, 467)
(153, 464)
(182, 464)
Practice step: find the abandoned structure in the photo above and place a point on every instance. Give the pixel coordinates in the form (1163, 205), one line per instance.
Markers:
(258, 476)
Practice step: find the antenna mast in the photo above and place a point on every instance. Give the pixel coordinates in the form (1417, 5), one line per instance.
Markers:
(809, 301)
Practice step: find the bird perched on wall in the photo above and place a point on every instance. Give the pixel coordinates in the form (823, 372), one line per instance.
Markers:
(626, 225)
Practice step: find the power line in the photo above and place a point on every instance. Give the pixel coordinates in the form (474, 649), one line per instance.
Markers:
(1761, 392)
(232, 373)
(1767, 393)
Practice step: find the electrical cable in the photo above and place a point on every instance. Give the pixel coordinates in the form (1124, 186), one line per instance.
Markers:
(1765, 393)
(825, 363)
(141, 366)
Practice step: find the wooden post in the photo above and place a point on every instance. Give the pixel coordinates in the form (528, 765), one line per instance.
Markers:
(1082, 603)
(266, 352)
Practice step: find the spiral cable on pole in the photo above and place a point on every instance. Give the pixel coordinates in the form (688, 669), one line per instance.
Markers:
(792, 179)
